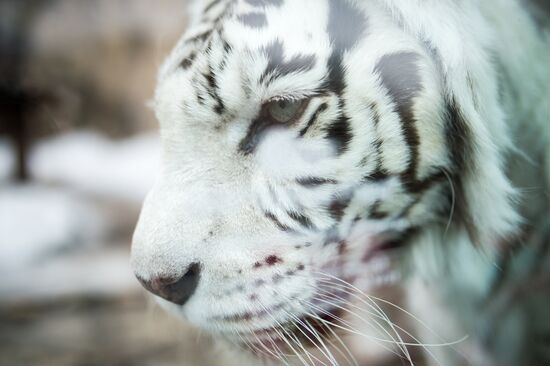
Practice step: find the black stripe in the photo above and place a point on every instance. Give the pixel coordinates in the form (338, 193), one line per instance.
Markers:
(253, 20)
(301, 219)
(375, 114)
(227, 50)
(421, 186)
(378, 140)
(405, 212)
(417, 188)
(458, 136)
(254, 134)
(276, 221)
(314, 181)
(459, 140)
(375, 213)
(336, 75)
(395, 243)
(188, 61)
(213, 91)
(340, 130)
(377, 144)
(263, 3)
(211, 5)
(323, 107)
(226, 46)
(346, 25)
(200, 98)
(379, 175)
(201, 37)
(399, 75)
(338, 207)
(278, 67)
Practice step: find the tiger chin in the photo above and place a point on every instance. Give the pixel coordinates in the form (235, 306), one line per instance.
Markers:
(350, 181)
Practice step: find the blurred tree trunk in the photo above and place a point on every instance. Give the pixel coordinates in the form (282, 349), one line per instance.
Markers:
(16, 18)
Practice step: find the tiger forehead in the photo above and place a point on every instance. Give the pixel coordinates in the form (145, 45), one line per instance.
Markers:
(336, 23)
(255, 44)
(292, 45)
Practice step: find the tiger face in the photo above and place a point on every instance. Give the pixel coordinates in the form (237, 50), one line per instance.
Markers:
(303, 141)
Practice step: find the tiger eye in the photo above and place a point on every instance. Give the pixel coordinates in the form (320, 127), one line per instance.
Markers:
(285, 111)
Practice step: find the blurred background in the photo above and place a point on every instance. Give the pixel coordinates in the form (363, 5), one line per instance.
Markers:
(78, 152)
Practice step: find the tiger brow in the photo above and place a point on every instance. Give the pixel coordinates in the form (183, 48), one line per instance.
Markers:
(290, 96)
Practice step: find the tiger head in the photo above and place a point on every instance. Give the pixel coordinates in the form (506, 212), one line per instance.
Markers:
(304, 142)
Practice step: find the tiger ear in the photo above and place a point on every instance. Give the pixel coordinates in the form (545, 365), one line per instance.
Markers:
(484, 196)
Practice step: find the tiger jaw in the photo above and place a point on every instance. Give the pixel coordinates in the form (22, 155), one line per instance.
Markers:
(300, 328)
(318, 308)
(293, 338)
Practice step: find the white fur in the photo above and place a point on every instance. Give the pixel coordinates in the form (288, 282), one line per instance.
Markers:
(209, 203)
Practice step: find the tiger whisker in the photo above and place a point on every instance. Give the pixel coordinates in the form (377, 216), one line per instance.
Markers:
(344, 322)
(382, 317)
(350, 359)
(371, 297)
(316, 334)
(288, 336)
(276, 353)
(306, 352)
(372, 315)
(328, 354)
(266, 351)
(418, 344)
(356, 291)
(399, 342)
(349, 329)
(397, 327)
(380, 313)
(281, 336)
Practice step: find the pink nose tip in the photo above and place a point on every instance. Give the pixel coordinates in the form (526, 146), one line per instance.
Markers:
(176, 290)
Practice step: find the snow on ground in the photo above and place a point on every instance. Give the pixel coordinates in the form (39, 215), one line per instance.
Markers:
(53, 232)
(52, 244)
(89, 162)
(38, 222)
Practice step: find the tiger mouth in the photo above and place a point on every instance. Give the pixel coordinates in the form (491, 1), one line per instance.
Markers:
(321, 316)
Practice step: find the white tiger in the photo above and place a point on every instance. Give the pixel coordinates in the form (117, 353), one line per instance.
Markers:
(317, 153)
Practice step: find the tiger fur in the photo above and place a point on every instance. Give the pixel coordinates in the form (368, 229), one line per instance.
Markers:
(317, 153)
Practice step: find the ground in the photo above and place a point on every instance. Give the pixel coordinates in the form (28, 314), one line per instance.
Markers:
(123, 330)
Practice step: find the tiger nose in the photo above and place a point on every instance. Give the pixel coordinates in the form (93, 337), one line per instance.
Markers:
(176, 290)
